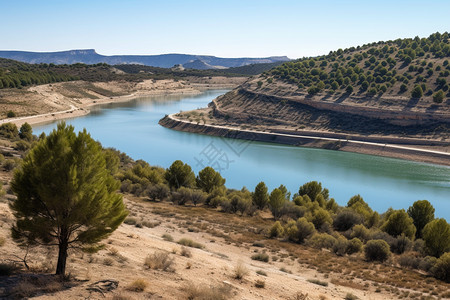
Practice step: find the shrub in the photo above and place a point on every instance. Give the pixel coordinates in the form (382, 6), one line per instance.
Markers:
(346, 219)
(185, 252)
(318, 282)
(354, 246)
(11, 114)
(159, 261)
(276, 230)
(2, 239)
(350, 296)
(158, 191)
(361, 232)
(441, 269)
(260, 284)
(261, 272)
(408, 260)
(401, 244)
(427, 263)
(439, 96)
(240, 271)
(216, 292)
(377, 250)
(167, 237)
(340, 247)
(417, 92)
(190, 243)
(321, 240)
(304, 229)
(261, 257)
(138, 285)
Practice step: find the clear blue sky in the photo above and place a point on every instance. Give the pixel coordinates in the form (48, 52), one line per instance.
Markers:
(226, 28)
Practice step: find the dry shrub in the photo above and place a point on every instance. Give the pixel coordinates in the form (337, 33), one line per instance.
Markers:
(108, 261)
(2, 241)
(35, 285)
(260, 284)
(190, 243)
(167, 237)
(212, 292)
(139, 285)
(240, 271)
(160, 261)
(185, 252)
(261, 257)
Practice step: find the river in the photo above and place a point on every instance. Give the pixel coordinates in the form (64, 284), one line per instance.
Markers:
(132, 127)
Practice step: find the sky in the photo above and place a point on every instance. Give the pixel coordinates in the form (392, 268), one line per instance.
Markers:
(231, 28)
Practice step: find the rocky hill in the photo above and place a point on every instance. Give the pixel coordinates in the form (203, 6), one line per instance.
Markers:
(90, 56)
(397, 88)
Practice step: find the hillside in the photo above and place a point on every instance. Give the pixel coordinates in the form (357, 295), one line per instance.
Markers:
(350, 91)
(410, 67)
(89, 56)
(394, 92)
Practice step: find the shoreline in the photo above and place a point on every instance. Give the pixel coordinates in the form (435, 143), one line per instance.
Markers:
(83, 108)
(322, 142)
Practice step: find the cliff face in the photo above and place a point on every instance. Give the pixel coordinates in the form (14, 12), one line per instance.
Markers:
(282, 105)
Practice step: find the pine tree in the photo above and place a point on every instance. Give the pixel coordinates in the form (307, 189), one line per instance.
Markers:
(66, 196)
(260, 197)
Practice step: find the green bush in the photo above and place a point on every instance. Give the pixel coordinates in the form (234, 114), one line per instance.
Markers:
(321, 240)
(377, 250)
(346, 219)
(439, 96)
(276, 230)
(436, 235)
(354, 246)
(441, 269)
(11, 114)
(417, 92)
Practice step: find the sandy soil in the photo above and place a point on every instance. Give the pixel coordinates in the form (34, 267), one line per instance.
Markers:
(214, 265)
(44, 103)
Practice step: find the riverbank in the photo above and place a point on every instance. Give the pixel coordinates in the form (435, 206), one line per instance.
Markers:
(403, 148)
(51, 102)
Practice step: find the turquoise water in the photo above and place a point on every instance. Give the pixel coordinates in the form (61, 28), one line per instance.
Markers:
(133, 128)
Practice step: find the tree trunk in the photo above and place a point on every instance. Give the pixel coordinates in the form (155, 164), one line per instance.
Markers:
(62, 257)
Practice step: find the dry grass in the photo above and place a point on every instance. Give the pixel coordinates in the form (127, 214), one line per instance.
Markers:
(139, 285)
(261, 257)
(190, 243)
(318, 282)
(212, 292)
(260, 284)
(167, 237)
(185, 252)
(160, 261)
(240, 271)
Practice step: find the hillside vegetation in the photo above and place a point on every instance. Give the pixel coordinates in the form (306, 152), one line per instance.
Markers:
(411, 67)
(15, 74)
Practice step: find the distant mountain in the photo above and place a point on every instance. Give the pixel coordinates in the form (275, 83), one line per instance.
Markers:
(89, 56)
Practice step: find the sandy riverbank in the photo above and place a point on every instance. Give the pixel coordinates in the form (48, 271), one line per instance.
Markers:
(50, 102)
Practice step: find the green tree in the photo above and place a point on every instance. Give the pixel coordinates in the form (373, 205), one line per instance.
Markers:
(65, 194)
(208, 179)
(417, 92)
(260, 198)
(399, 222)
(439, 96)
(422, 213)
(436, 236)
(312, 189)
(276, 202)
(26, 132)
(180, 174)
